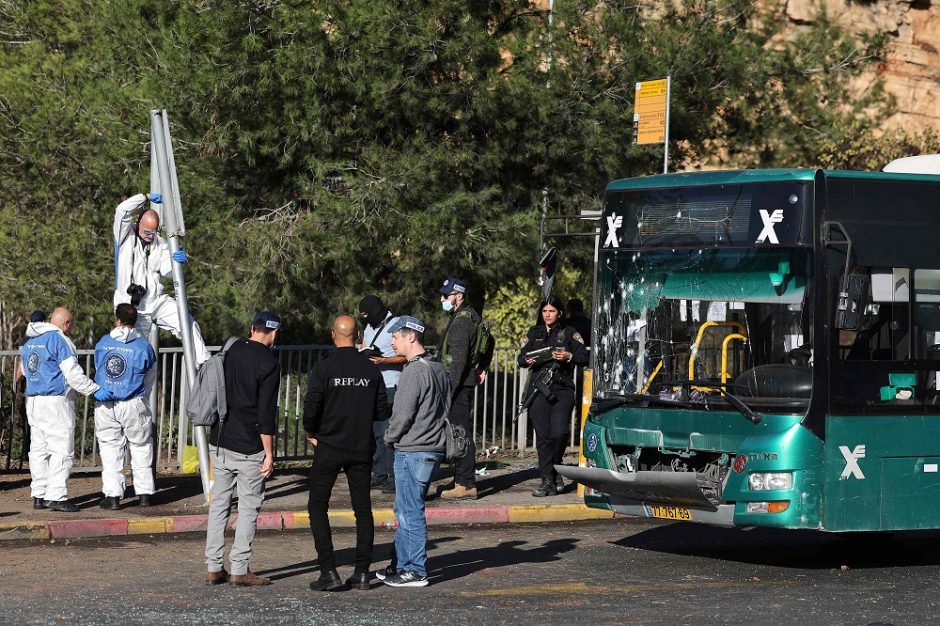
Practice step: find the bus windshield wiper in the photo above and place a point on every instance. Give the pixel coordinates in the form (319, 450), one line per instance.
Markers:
(732, 399)
(652, 397)
(602, 405)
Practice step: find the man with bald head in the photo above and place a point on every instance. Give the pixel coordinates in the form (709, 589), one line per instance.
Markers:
(53, 375)
(141, 258)
(345, 395)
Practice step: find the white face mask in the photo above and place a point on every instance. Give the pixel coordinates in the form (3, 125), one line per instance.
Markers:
(447, 305)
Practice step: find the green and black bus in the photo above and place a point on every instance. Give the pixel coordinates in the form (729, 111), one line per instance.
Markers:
(766, 350)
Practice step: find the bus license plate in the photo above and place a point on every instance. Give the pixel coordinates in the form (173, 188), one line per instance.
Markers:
(668, 512)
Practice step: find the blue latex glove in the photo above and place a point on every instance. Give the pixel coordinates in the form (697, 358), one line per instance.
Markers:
(104, 395)
(179, 256)
(156, 198)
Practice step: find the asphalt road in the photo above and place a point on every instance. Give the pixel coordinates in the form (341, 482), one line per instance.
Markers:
(613, 571)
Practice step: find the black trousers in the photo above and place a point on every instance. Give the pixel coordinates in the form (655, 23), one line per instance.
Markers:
(327, 464)
(552, 422)
(460, 416)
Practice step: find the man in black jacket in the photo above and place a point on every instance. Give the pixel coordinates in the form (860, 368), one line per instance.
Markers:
(242, 449)
(345, 395)
(456, 354)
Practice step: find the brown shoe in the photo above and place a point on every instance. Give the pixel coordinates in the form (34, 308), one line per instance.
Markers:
(459, 492)
(248, 580)
(217, 578)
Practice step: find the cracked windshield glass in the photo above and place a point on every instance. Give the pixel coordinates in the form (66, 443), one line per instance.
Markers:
(675, 326)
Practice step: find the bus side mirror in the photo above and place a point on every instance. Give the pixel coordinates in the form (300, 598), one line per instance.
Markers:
(854, 290)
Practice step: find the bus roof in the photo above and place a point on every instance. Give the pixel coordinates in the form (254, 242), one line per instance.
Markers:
(737, 177)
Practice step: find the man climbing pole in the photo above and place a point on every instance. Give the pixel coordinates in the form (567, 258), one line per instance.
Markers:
(141, 258)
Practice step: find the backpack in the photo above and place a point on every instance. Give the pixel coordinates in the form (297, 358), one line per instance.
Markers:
(455, 437)
(457, 442)
(206, 404)
(481, 352)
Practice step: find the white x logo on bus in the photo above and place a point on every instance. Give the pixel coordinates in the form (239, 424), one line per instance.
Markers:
(614, 222)
(851, 462)
(769, 220)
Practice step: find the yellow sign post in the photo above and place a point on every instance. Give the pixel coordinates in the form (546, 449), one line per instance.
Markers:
(651, 115)
(586, 394)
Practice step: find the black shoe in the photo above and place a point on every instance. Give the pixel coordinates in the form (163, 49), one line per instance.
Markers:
(328, 581)
(382, 574)
(559, 484)
(389, 487)
(547, 488)
(143, 499)
(358, 581)
(39, 503)
(110, 502)
(378, 482)
(63, 506)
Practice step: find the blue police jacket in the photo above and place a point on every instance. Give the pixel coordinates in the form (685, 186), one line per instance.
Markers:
(41, 357)
(122, 360)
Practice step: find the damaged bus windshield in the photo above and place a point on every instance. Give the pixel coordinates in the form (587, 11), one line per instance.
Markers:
(687, 314)
(723, 316)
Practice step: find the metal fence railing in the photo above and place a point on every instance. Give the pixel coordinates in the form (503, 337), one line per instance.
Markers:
(495, 405)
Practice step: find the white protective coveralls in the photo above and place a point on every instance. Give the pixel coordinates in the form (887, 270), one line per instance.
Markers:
(53, 375)
(125, 364)
(144, 264)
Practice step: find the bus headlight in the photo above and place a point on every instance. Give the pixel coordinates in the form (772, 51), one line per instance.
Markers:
(768, 481)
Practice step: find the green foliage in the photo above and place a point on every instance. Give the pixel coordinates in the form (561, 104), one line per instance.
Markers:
(331, 149)
(512, 308)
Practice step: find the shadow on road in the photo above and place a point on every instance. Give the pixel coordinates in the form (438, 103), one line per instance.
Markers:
(345, 557)
(449, 566)
(489, 486)
(174, 489)
(289, 488)
(465, 562)
(14, 484)
(790, 548)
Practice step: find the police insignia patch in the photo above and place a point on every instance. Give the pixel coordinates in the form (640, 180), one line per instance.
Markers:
(115, 365)
(577, 337)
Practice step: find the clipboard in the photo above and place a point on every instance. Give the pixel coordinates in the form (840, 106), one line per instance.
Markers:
(542, 355)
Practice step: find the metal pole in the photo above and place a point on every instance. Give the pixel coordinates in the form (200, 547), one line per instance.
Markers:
(666, 144)
(154, 337)
(152, 396)
(160, 135)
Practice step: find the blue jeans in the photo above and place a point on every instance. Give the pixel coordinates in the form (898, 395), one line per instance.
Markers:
(413, 472)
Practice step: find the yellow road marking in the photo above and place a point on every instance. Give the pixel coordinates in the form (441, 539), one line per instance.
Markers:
(575, 588)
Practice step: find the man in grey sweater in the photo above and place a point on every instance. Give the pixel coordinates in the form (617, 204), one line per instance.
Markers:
(416, 429)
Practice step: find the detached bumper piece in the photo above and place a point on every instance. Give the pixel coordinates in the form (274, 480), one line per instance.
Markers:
(680, 488)
(682, 496)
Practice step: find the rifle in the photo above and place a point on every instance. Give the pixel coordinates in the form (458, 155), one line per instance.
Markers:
(539, 383)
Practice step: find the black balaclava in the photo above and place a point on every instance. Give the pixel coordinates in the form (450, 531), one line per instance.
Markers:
(373, 311)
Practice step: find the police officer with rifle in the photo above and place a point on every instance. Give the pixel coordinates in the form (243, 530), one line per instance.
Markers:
(552, 350)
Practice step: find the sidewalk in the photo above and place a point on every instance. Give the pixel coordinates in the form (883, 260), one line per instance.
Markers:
(178, 506)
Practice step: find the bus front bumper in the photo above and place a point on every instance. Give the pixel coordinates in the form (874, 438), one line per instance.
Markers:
(662, 495)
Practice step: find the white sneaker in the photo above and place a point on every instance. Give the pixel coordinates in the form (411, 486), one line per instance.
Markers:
(406, 579)
(385, 573)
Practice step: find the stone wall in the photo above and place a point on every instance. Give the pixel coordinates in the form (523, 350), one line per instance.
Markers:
(911, 72)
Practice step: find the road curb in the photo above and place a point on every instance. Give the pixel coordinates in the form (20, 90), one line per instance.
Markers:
(291, 520)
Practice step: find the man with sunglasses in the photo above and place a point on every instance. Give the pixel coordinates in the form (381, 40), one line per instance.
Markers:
(141, 258)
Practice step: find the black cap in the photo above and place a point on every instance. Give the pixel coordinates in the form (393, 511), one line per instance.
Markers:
(37, 316)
